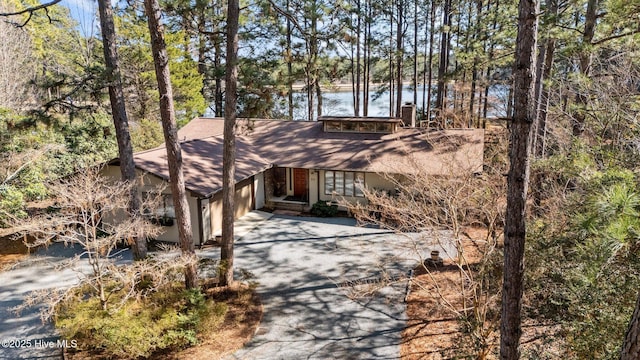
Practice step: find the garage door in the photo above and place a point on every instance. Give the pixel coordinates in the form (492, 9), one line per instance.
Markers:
(243, 204)
(244, 197)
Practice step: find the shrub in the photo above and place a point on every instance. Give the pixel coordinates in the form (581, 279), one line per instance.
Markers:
(11, 204)
(168, 319)
(323, 209)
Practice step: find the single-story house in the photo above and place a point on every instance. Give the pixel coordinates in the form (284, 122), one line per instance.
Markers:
(294, 164)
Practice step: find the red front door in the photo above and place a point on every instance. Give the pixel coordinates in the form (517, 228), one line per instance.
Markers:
(300, 177)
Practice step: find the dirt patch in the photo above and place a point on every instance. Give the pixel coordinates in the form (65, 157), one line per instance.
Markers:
(11, 251)
(240, 324)
(434, 326)
(434, 306)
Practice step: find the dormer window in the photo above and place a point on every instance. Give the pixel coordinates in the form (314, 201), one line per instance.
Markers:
(360, 124)
(332, 126)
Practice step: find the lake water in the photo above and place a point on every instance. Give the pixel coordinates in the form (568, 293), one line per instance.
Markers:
(340, 103)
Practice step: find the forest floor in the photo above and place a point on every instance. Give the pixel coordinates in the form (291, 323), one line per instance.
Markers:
(435, 329)
(11, 251)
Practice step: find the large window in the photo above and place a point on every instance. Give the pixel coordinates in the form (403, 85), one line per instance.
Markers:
(344, 183)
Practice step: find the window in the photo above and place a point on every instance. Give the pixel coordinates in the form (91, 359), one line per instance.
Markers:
(328, 182)
(384, 127)
(368, 126)
(349, 126)
(332, 125)
(165, 205)
(359, 184)
(348, 184)
(338, 181)
(364, 125)
(344, 183)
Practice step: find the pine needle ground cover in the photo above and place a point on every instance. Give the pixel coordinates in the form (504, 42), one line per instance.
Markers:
(170, 323)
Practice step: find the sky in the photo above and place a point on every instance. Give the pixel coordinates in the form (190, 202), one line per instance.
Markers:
(84, 12)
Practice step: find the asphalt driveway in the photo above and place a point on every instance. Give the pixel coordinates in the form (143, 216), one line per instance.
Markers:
(305, 269)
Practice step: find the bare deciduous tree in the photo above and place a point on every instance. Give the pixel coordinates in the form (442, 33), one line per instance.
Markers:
(91, 212)
(432, 212)
(16, 66)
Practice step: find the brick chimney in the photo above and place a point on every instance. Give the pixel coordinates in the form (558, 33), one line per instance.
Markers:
(408, 114)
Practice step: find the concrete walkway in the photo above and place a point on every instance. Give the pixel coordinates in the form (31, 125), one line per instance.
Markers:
(303, 266)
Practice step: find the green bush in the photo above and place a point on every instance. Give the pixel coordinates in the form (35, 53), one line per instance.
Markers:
(11, 204)
(324, 209)
(168, 319)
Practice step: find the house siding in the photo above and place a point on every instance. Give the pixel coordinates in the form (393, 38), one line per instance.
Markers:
(244, 202)
(313, 186)
(259, 190)
(149, 183)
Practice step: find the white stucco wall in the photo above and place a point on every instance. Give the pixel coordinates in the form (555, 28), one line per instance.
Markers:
(375, 181)
(150, 182)
(258, 187)
(313, 186)
(206, 221)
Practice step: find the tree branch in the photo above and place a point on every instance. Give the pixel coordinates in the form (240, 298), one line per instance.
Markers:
(291, 18)
(31, 11)
(617, 36)
(570, 28)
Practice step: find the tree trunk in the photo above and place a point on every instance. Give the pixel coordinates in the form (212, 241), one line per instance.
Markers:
(120, 121)
(631, 345)
(543, 99)
(391, 65)
(358, 76)
(174, 153)
(432, 30)
(366, 58)
(399, 56)
(444, 60)
(518, 179)
(229, 149)
(415, 52)
(289, 60)
(579, 115)
(538, 89)
(217, 63)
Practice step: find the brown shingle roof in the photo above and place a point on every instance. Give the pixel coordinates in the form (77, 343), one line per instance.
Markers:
(200, 128)
(264, 143)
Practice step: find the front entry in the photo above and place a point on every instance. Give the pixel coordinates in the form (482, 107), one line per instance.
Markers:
(300, 183)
